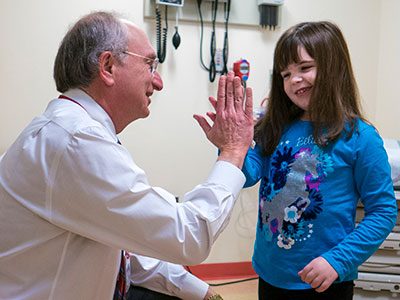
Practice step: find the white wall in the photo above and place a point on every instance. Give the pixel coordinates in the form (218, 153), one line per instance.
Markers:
(387, 104)
(169, 145)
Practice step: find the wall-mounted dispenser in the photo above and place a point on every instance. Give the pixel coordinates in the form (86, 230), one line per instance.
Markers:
(269, 11)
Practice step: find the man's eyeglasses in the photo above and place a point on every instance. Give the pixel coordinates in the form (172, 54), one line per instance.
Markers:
(154, 61)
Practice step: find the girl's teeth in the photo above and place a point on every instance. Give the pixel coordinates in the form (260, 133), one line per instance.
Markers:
(302, 91)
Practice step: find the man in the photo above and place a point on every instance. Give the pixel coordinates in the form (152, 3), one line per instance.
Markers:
(71, 196)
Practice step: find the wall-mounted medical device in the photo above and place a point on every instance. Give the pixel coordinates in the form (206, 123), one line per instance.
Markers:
(269, 12)
(210, 14)
(162, 31)
(241, 68)
(218, 56)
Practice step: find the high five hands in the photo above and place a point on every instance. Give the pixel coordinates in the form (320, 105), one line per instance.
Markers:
(232, 128)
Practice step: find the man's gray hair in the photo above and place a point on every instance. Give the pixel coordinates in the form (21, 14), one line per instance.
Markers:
(77, 60)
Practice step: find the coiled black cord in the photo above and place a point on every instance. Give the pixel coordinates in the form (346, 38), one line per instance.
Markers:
(201, 35)
(212, 69)
(225, 53)
(161, 42)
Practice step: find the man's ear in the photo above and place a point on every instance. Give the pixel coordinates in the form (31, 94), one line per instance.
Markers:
(106, 67)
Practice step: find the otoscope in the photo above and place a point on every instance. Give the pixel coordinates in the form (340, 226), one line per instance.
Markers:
(241, 68)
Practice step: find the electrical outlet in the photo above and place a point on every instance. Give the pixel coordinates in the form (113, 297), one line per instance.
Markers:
(170, 2)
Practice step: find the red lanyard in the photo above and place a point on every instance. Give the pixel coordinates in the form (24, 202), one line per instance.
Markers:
(68, 98)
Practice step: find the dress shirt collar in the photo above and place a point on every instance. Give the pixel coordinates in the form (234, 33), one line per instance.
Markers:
(94, 110)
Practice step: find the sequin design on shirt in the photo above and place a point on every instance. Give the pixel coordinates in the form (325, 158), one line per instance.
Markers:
(290, 198)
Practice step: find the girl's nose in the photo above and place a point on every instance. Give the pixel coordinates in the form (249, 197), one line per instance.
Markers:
(296, 78)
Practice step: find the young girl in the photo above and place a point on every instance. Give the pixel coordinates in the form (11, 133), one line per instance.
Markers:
(316, 157)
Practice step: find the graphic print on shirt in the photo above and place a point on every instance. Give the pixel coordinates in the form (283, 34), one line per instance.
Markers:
(290, 198)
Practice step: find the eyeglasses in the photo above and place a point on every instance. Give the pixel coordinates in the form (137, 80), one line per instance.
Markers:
(154, 61)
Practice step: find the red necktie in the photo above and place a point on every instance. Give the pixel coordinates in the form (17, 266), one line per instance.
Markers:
(121, 286)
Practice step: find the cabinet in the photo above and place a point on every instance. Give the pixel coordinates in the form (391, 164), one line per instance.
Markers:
(379, 276)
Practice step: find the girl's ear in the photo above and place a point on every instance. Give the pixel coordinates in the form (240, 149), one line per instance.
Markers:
(106, 65)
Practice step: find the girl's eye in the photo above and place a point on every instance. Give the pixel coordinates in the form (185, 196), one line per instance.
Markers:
(285, 75)
(307, 67)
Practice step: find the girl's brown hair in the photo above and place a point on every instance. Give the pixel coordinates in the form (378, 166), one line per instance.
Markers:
(334, 101)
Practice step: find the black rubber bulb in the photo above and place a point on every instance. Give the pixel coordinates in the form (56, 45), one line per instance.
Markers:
(176, 39)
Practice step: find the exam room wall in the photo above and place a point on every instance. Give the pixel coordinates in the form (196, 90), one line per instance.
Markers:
(169, 145)
(387, 104)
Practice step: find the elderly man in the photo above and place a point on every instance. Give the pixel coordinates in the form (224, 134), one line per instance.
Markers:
(71, 197)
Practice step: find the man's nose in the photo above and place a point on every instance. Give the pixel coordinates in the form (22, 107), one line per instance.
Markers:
(157, 81)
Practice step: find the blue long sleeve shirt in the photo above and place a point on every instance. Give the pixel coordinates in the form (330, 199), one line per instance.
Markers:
(307, 202)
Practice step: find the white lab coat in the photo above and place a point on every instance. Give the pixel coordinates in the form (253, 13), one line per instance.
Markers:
(71, 198)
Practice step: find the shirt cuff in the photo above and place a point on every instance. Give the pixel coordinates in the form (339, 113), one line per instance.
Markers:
(193, 288)
(229, 175)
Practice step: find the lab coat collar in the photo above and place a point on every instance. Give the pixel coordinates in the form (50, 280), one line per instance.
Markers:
(92, 108)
